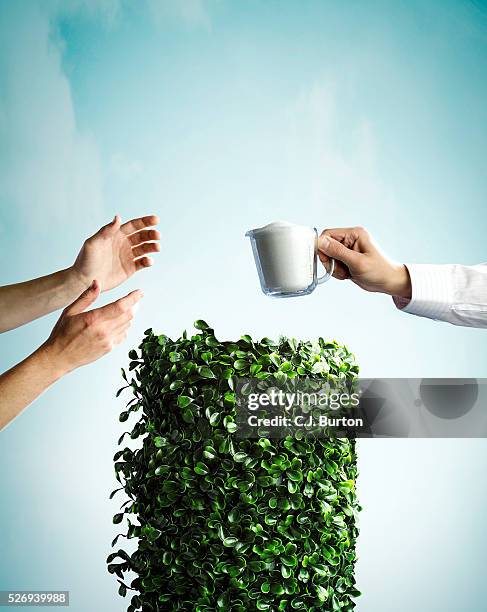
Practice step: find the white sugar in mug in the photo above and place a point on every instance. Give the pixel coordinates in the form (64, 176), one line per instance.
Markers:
(286, 259)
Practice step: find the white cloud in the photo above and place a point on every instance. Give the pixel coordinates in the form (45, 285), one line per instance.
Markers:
(123, 168)
(51, 179)
(337, 156)
(106, 10)
(50, 174)
(192, 13)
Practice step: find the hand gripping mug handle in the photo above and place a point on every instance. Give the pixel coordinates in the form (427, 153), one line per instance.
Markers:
(329, 274)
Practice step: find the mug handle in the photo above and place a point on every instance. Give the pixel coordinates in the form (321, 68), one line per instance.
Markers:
(329, 273)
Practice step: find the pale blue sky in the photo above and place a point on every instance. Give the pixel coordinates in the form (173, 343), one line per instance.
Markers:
(221, 116)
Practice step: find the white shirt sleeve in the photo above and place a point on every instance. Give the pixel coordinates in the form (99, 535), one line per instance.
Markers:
(453, 293)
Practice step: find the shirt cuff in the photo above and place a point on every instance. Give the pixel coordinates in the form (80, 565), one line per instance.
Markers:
(431, 290)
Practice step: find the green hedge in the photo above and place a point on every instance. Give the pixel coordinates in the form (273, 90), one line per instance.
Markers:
(224, 523)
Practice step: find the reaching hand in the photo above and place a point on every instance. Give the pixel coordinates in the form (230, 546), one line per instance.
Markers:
(81, 337)
(117, 251)
(359, 259)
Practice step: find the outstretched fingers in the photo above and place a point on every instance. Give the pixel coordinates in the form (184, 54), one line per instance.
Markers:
(129, 301)
(143, 262)
(122, 310)
(135, 225)
(146, 247)
(144, 236)
(144, 242)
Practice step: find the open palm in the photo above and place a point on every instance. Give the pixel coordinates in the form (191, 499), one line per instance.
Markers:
(117, 251)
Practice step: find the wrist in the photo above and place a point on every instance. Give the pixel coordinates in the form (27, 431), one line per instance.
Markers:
(399, 284)
(51, 361)
(76, 280)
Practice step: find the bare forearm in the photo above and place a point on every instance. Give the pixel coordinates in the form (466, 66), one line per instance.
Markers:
(23, 383)
(27, 301)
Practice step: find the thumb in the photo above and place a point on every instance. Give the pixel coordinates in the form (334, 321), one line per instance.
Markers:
(85, 299)
(333, 248)
(110, 228)
(114, 225)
